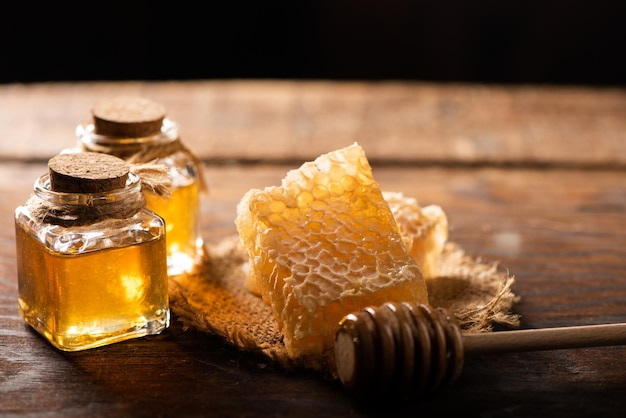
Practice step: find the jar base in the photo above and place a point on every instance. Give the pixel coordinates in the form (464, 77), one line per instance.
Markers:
(180, 262)
(78, 338)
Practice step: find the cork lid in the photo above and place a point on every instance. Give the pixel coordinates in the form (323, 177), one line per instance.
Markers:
(87, 172)
(128, 117)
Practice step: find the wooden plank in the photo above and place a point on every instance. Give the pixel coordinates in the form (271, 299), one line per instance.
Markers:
(296, 121)
(559, 232)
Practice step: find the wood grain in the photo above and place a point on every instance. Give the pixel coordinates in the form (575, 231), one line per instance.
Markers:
(287, 121)
(553, 215)
(560, 232)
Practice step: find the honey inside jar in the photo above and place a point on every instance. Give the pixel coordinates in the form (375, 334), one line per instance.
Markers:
(80, 301)
(138, 131)
(91, 258)
(183, 245)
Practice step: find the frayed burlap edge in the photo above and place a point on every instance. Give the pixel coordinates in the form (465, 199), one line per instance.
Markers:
(215, 300)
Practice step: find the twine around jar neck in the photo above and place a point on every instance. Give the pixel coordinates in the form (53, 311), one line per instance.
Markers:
(79, 209)
(140, 151)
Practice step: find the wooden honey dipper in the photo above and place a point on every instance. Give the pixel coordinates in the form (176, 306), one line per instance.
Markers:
(403, 350)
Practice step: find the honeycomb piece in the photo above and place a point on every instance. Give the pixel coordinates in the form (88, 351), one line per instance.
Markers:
(424, 230)
(322, 245)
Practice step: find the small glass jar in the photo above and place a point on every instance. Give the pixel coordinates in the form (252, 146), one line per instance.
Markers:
(137, 130)
(91, 259)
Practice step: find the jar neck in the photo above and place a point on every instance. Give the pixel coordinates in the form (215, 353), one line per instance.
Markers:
(140, 149)
(70, 209)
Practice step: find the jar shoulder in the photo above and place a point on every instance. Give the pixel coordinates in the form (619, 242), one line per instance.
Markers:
(143, 226)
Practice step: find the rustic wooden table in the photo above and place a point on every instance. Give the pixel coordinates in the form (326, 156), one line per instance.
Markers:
(531, 177)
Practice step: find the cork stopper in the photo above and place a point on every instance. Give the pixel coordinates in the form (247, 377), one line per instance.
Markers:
(128, 117)
(87, 172)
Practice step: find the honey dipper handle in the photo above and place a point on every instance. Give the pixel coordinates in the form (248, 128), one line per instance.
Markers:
(545, 339)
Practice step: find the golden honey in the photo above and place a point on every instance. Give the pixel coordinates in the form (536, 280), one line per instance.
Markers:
(80, 301)
(137, 130)
(183, 245)
(91, 266)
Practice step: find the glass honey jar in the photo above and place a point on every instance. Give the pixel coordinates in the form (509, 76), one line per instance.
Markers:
(91, 259)
(137, 130)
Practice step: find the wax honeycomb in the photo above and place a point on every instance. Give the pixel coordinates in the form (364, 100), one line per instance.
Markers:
(424, 229)
(323, 244)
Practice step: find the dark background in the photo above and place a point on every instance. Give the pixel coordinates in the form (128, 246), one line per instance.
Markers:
(486, 41)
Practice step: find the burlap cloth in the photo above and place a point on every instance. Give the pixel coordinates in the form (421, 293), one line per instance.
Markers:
(215, 300)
